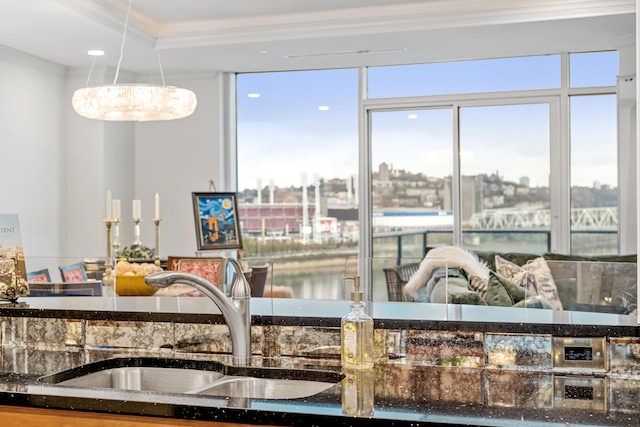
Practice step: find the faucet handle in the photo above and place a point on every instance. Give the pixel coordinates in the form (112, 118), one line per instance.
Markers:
(240, 288)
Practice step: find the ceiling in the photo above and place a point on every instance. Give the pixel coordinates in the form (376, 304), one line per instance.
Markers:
(196, 36)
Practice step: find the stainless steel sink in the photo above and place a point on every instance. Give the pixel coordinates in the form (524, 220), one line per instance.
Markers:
(167, 380)
(263, 388)
(199, 378)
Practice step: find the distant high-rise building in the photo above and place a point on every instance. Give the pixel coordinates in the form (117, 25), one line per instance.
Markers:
(259, 199)
(524, 181)
(471, 196)
(383, 172)
(447, 203)
(272, 189)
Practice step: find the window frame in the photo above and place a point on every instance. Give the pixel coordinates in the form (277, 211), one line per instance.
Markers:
(560, 211)
(559, 123)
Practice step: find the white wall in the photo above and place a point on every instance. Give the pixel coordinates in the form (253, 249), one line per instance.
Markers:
(176, 158)
(32, 137)
(57, 166)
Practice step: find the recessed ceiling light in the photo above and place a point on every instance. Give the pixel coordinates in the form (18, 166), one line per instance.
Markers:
(95, 52)
(323, 108)
(254, 95)
(413, 116)
(263, 51)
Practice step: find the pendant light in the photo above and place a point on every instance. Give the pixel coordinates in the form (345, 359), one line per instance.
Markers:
(132, 101)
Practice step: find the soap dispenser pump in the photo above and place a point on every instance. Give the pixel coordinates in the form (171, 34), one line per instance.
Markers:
(357, 333)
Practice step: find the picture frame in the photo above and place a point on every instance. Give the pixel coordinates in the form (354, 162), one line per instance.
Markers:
(65, 289)
(73, 273)
(212, 269)
(40, 276)
(216, 220)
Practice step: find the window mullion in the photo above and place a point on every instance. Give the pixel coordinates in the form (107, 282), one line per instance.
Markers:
(457, 179)
(365, 248)
(560, 173)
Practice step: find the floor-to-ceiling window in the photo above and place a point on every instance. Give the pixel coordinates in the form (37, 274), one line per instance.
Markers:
(297, 169)
(593, 137)
(493, 154)
(504, 177)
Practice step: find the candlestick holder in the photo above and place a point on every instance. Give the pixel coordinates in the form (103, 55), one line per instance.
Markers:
(136, 232)
(116, 237)
(156, 221)
(108, 222)
(109, 265)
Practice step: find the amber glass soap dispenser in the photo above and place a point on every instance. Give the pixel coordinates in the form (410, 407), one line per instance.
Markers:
(357, 333)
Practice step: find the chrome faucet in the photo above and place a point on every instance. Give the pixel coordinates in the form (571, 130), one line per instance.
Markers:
(235, 309)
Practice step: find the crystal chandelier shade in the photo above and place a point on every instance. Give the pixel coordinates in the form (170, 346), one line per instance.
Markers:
(134, 102)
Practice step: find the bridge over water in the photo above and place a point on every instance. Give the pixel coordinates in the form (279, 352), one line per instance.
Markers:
(583, 218)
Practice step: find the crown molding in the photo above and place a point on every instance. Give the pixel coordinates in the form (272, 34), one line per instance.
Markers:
(438, 14)
(435, 14)
(141, 27)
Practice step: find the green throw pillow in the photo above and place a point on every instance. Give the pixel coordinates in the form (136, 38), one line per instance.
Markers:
(470, 298)
(496, 292)
(503, 292)
(516, 292)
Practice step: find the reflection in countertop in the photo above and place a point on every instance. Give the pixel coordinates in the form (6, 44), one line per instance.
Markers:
(395, 393)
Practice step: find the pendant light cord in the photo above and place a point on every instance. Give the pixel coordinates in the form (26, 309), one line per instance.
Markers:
(124, 36)
(159, 63)
(93, 62)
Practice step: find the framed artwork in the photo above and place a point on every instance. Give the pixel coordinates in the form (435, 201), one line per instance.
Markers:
(40, 276)
(80, 289)
(73, 273)
(216, 220)
(212, 269)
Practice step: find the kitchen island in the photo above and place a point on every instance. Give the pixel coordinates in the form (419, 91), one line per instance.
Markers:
(439, 376)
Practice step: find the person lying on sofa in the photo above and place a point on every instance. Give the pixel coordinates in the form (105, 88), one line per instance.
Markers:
(451, 274)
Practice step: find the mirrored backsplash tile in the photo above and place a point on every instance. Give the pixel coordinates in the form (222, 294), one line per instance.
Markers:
(146, 335)
(53, 333)
(445, 348)
(451, 385)
(624, 395)
(14, 331)
(513, 389)
(418, 347)
(202, 338)
(303, 340)
(624, 356)
(518, 351)
(34, 361)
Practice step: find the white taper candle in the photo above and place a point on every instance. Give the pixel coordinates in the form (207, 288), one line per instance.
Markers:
(116, 209)
(136, 209)
(109, 205)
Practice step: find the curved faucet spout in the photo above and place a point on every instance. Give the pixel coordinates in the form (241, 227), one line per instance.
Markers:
(235, 310)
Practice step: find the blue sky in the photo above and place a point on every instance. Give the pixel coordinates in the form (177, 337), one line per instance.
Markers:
(282, 133)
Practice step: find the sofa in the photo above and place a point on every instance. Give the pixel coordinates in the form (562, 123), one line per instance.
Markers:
(562, 282)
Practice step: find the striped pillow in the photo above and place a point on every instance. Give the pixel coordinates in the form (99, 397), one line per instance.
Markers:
(534, 276)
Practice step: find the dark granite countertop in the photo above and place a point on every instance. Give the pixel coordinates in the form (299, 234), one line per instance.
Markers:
(325, 313)
(402, 395)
